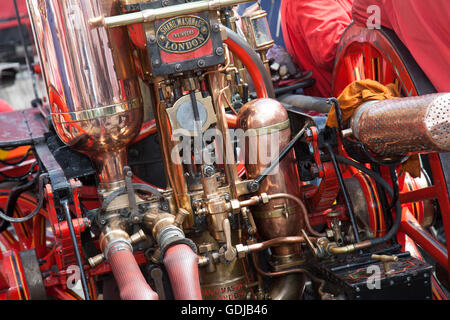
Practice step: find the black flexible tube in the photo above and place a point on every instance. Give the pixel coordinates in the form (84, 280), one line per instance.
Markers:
(76, 249)
(19, 178)
(35, 211)
(344, 191)
(398, 208)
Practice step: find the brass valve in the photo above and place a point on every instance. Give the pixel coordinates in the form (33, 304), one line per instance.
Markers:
(385, 259)
(134, 238)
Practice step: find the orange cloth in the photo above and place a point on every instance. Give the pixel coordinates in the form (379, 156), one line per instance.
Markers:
(356, 94)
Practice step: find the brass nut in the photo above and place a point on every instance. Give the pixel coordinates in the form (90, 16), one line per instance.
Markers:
(95, 261)
(138, 237)
(204, 248)
(241, 250)
(264, 198)
(329, 233)
(235, 206)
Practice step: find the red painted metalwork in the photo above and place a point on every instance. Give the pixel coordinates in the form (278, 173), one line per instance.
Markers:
(423, 238)
(368, 54)
(260, 87)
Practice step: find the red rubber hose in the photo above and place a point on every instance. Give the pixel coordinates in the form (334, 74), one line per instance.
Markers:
(182, 265)
(129, 278)
(252, 62)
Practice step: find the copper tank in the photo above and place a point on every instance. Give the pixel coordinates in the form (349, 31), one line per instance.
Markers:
(280, 217)
(94, 95)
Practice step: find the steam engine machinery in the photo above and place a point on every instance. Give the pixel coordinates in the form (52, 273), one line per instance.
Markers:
(164, 167)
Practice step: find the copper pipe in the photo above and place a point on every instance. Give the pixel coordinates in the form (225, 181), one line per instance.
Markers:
(229, 161)
(276, 242)
(350, 247)
(304, 211)
(323, 294)
(174, 171)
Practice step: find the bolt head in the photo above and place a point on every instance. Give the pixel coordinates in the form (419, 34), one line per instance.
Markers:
(201, 63)
(216, 27)
(220, 51)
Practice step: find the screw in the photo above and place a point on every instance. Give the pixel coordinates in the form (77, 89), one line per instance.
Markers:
(201, 63)
(178, 68)
(165, 3)
(252, 186)
(156, 62)
(357, 289)
(209, 171)
(152, 39)
(216, 27)
(219, 51)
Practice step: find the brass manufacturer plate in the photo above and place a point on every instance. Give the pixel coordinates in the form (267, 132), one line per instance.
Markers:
(183, 34)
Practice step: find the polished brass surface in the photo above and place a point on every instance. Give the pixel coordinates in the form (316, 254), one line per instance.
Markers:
(94, 95)
(150, 15)
(172, 161)
(114, 231)
(216, 85)
(206, 102)
(228, 281)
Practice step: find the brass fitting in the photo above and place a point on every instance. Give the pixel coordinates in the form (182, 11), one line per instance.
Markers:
(242, 250)
(385, 259)
(133, 239)
(350, 247)
(156, 222)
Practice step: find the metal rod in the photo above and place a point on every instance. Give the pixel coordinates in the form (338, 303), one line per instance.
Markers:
(25, 48)
(150, 15)
(344, 192)
(77, 251)
(283, 153)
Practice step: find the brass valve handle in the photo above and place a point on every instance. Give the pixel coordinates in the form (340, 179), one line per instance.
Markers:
(385, 259)
(230, 252)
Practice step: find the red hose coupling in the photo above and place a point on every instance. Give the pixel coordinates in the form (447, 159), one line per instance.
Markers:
(182, 266)
(130, 280)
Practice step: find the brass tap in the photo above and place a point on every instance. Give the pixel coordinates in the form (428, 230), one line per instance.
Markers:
(385, 259)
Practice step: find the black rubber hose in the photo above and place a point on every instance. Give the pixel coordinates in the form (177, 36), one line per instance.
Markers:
(35, 211)
(344, 191)
(398, 208)
(307, 102)
(256, 59)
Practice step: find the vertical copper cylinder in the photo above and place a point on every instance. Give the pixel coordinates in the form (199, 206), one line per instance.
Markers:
(265, 123)
(94, 94)
(403, 126)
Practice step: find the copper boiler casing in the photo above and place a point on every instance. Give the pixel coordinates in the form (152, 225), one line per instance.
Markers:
(94, 94)
(270, 122)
